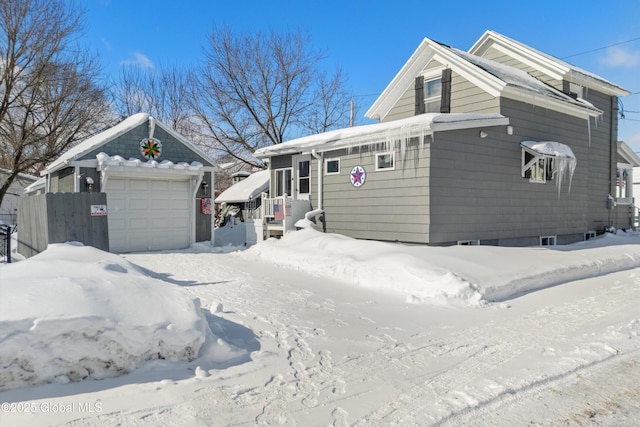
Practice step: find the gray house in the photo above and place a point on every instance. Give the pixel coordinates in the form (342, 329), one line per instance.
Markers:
(500, 145)
(158, 184)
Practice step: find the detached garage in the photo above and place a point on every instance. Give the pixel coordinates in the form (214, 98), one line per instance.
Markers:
(157, 184)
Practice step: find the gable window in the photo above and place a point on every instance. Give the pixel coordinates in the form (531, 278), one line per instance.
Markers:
(385, 161)
(283, 182)
(432, 94)
(332, 167)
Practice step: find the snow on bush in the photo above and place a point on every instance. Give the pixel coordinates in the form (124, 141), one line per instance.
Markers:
(75, 312)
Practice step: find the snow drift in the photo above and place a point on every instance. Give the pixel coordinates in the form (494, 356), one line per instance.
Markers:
(458, 275)
(75, 312)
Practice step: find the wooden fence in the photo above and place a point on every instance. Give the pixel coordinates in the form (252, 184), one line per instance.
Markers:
(62, 217)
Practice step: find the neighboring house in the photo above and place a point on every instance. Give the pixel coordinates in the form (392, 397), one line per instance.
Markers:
(158, 184)
(625, 194)
(500, 145)
(242, 202)
(245, 194)
(9, 207)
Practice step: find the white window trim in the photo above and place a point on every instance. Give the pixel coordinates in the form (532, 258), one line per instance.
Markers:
(552, 240)
(428, 75)
(275, 181)
(326, 162)
(589, 235)
(393, 161)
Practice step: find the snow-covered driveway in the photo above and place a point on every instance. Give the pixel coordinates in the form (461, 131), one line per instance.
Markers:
(324, 352)
(334, 354)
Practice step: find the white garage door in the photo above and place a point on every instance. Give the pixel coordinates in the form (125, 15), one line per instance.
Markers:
(148, 214)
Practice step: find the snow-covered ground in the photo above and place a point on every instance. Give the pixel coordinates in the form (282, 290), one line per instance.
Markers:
(319, 329)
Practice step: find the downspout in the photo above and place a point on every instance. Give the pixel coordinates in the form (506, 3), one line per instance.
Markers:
(613, 153)
(319, 210)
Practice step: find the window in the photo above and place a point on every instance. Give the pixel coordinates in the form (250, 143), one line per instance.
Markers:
(547, 240)
(432, 95)
(283, 182)
(468, 243)
(576, 91)
(332, 167)
(384, 161)
(536, 167)
(589, 235)
(304, 178)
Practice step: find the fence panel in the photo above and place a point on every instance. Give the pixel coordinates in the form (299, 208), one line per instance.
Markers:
(62, 217)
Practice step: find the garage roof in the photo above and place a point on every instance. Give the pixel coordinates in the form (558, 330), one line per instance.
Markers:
(112, 133)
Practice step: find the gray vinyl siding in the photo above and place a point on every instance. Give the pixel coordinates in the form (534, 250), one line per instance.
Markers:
(622, 216)
(391, 205)
(405, 107)
(465, 98)
(477, 192)
(469, 98)
(127, 145)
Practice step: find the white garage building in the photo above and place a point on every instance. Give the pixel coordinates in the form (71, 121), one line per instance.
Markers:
(158, 184)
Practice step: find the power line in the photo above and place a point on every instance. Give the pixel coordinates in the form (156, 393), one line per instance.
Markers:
(601, 48)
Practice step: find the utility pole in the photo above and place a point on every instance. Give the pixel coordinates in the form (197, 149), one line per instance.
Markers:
(351, 113)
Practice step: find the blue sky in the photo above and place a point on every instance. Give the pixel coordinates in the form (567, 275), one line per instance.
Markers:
(372, 39)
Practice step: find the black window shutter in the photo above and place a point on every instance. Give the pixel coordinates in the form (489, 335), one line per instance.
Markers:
(445, 101)
(419, 87)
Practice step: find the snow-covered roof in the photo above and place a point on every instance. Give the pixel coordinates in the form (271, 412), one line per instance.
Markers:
(36, 185)
(550, 148)
(247, 189)
(112, 133)
(494, 78)
(543, 62)
(388, 132)
(520, 79)
(21, 175)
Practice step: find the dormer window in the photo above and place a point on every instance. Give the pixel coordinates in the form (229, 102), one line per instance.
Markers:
(576, 91)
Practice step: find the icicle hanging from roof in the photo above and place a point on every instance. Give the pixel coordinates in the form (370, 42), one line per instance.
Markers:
(152, 127)
(564, 161)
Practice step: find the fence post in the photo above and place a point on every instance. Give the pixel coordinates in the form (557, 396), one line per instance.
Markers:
(6, 231)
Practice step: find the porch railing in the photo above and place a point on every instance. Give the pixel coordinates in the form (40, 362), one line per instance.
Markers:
(283, 212)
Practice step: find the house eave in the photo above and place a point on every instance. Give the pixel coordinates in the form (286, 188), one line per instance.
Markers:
(543, 101)
(547, 64)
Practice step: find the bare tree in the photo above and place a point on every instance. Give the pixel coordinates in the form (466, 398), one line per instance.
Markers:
(49, 98)
(257, 89)
(162, 94)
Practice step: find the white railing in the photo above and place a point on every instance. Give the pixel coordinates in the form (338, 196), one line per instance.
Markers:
(283, 212)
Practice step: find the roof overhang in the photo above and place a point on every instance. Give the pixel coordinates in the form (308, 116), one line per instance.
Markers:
(430, 50)
(547, 64)
(419, 127)
(628, 154)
